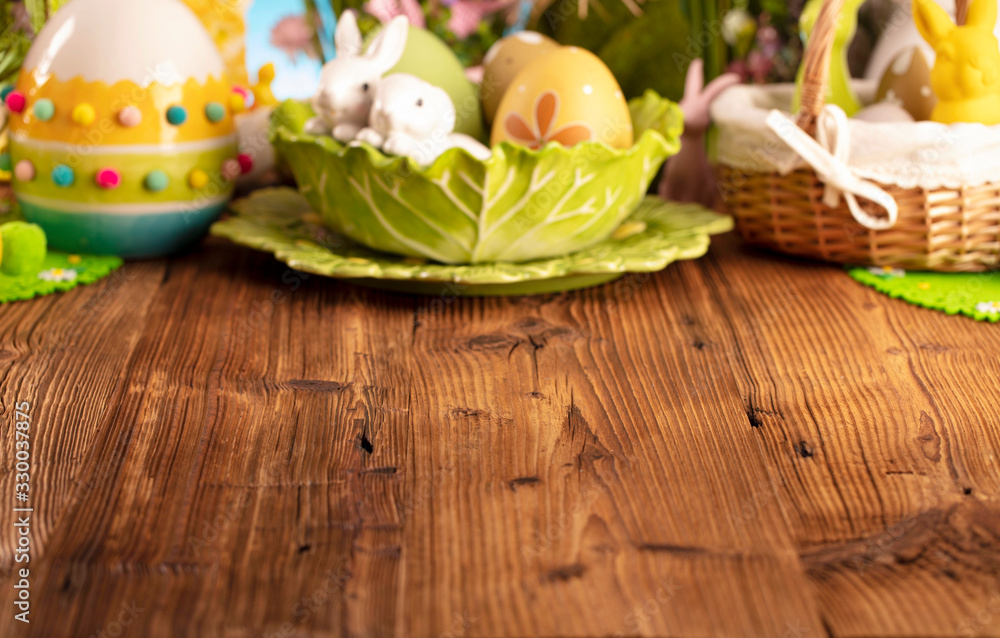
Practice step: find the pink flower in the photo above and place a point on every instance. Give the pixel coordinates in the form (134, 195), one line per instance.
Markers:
(467, 15)
(386, 10)
(475, 74)
(292, 34)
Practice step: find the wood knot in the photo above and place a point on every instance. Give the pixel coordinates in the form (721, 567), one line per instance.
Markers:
(523, 480)
(492, 342)
(804, 450)
(564, 573)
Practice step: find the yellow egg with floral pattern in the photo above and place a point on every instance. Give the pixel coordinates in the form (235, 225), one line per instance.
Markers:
(566, 96)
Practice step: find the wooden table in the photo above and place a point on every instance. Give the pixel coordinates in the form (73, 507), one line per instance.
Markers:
(745, 445)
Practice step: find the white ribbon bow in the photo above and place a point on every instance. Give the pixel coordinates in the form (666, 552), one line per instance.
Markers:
(829, 157)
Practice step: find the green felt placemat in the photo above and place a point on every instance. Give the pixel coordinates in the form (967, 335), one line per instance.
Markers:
(59, 272)
(975, 295)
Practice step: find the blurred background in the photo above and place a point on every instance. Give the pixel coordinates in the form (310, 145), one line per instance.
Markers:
(646, 43)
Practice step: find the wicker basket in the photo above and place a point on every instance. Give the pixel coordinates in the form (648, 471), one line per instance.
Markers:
(955, 229)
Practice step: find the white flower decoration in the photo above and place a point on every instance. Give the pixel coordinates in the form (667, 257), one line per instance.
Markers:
(58, 274)
(989, 307)
(887, 272)
(736, 23)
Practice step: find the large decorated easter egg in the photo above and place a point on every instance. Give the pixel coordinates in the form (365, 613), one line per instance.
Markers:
(566, 96)
(122, 138)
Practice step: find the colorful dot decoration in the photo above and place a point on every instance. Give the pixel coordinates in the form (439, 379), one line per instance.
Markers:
(245, 93)
(15, 101)
(63, 176)
(198, 179)
(130, 117)
(215, 112)
(24, 171)
(156, 181)
(236, 103)
(44, 109)
(246, 163)
(177, 115)
(240, 100)
(84, 114)
(108, 178)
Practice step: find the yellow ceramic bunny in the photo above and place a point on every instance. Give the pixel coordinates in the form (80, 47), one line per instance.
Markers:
(966, 75)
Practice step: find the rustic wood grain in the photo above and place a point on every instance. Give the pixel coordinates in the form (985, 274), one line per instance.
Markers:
(742, 445)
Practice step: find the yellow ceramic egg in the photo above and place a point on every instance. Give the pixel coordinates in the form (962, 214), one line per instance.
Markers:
(504, 61)
(566, 96)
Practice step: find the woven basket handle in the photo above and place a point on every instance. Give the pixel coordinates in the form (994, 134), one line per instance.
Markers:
(961, 11)
(816, 74)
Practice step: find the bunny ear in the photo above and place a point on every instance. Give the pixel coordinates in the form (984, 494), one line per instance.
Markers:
(718, 86)
(982, 14)
(695, 80)
(347, 38)
(388, 46)
(932, 21)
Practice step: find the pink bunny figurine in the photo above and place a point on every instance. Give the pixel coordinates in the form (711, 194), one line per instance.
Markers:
(688, 177)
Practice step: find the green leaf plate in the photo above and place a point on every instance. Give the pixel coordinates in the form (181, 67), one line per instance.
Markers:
(518, 205)
(282, 222)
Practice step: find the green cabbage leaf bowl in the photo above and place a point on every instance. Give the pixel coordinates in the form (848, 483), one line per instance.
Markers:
(518, 205)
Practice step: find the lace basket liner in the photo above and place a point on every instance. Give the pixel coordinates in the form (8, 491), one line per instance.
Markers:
(905, 154)
(911, 195)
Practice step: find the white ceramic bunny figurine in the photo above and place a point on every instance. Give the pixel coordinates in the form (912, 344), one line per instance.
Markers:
(415, 118)
(347, 83)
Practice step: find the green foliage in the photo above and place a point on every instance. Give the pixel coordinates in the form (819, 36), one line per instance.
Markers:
(41, 10)
(780, 10)
(649, 51)
(652, 51)
(15, 38)
(37, 11)
(14, 43)
(13, 48)
(562, 22)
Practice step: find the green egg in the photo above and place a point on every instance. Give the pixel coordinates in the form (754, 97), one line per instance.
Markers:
(429, 58)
